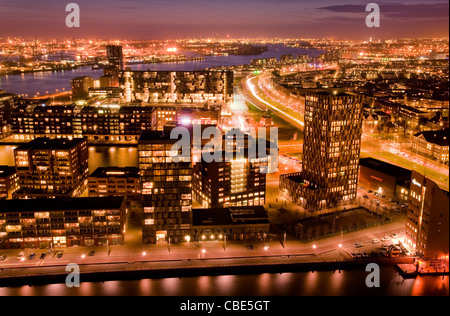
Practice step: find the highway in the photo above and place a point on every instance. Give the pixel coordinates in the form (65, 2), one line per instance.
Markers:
(371, 146)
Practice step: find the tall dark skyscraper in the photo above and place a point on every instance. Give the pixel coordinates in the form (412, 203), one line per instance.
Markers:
(333, 129)
(166, 189)
(115, 56)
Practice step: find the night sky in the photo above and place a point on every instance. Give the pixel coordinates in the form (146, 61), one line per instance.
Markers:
(170, 19)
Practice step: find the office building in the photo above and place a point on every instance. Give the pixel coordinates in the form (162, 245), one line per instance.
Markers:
(81, 86)
(332, 144)
(427, 224)
(54, 223)
(9, 182)
(114, 54)
(6, 105)
(389, 180)
(186, 87)
(236, 182)
(50, 168)
(99, 124)
(230, 224)
(432, 144)
(117, 181)
(166, 189)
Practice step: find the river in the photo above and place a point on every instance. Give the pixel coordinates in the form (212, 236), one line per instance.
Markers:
(324, 283)
(32, 83)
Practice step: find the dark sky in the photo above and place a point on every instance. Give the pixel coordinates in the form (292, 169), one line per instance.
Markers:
(169, 19)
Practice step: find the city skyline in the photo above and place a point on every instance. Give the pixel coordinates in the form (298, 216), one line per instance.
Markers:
(156, 19)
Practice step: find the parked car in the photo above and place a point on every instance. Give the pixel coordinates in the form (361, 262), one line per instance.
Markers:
(385, 253)
(32, 256)
(21, 255)
(385, 238)
(43, 255)
(377, 202)
(385, 247)
(92, 253)
(2, 258)
(353, 254)
(375, 241)
(359, 245)
(365, 255)
(395, 252)
(374, 254)
(59, 255)
(395, 236)
(366, 197)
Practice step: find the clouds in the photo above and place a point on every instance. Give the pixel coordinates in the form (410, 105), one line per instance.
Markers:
(148, 19)
(398, 10)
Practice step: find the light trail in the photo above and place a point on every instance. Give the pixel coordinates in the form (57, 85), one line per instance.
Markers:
(251, 86)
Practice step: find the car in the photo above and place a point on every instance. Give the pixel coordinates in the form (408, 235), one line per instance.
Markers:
(2, 258)
(376, 194)
(370, 191)
(21, 255)
(395, 236)
(385, 238)
(43, 255)
(385, 247)
(32, 256)
(59, 255)
(359, 255)
(359, 245)
(366, 197)
(377, 202)
(353, 254)
(374, 254)
(375, 241)
(385, 253)
(92, 253)
(365, 255)
(250, 247)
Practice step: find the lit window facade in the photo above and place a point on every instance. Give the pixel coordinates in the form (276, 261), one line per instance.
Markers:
(166, 189)
(332, 145)
(49, 168)
(47, 223)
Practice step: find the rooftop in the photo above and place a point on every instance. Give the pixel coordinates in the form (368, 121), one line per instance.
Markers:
(230, 216)
(156, 136)
(6, 171)
(70, 204)
(47, 143)
(384, 167)
(440, 138)
(116, 172)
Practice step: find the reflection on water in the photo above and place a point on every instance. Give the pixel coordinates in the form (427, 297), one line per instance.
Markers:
(112, 156)
(32, 83)
(325, 283)
(7, 155)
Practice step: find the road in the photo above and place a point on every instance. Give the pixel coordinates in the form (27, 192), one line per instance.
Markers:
(371, 146)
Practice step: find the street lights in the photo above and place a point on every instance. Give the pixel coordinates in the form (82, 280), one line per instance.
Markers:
(339, 251)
